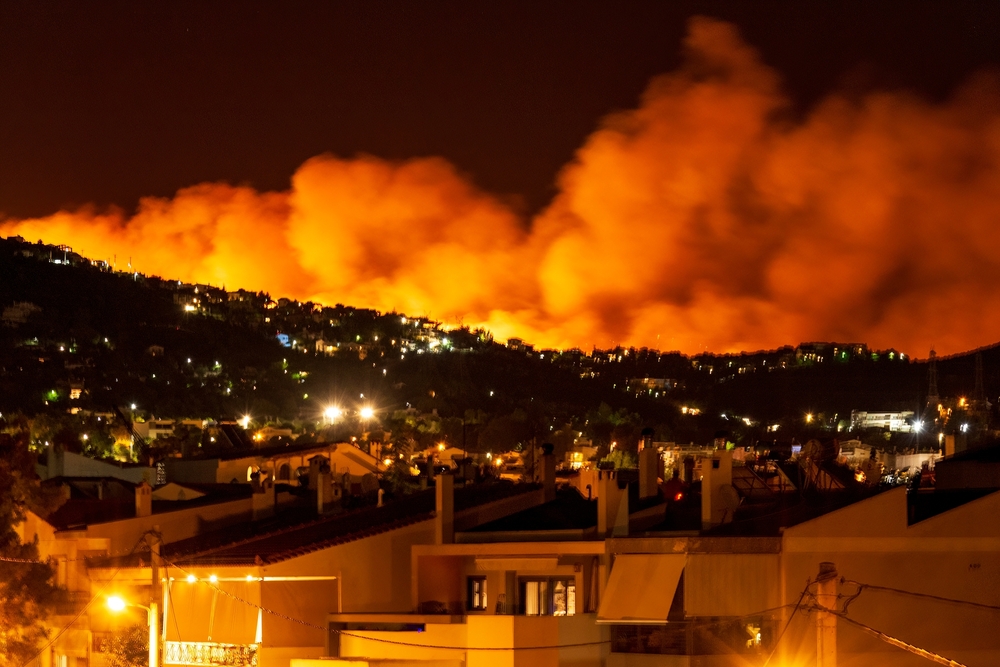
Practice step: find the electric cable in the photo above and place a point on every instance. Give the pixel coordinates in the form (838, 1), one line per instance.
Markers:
(898, 643)
(928, 596)
(76, 618)
(345, 633)
(798, 605)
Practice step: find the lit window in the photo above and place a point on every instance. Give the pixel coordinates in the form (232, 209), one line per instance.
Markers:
(477, 593)
(548, 597)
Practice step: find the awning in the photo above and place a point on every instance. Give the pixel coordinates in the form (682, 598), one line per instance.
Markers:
(641, 588)
(224, 613)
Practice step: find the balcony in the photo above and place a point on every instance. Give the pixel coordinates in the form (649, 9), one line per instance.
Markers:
(210, 654)
(669, 639)
(73, 604)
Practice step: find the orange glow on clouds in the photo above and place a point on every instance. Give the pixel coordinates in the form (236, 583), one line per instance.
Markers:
(707, 218)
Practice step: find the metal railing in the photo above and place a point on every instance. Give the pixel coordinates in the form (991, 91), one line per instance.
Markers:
(210, 654)
(669, 639)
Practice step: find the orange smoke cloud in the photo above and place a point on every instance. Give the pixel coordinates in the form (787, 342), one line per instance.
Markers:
(707, 218)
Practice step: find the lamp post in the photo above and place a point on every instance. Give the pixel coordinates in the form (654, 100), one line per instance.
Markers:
(117, 604)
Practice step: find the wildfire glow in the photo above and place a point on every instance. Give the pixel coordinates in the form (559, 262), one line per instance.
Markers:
(710, 217)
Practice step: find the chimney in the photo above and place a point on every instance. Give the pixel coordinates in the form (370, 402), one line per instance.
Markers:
(317, 465)
(548, 470)
(718, 497)
(612, 505)
(143, 500)
(649, 470)
(324, 491)
(646, 439)
(444, 509)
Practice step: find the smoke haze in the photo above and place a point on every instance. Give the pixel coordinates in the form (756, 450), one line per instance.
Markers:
(709, 218)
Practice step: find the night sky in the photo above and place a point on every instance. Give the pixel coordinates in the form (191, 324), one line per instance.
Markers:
(691, 176)
(107, 102)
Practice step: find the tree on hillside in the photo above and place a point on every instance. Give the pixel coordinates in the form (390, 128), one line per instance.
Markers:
(28, 594)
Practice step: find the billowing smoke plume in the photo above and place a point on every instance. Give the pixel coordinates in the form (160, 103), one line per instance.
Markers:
(708, 218)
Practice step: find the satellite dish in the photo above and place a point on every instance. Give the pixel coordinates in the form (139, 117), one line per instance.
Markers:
(729, 501)
(813, 449)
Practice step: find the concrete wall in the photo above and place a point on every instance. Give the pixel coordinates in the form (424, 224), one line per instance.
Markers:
(475, 642)
(955, 554)
(436, 642)
(375, 570)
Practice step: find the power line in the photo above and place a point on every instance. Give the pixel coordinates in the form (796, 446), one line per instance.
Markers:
(798, 605)
(928, 596)
(345, 633)
(382, 640)
(898, 643)
(54, 558)
(82, 611)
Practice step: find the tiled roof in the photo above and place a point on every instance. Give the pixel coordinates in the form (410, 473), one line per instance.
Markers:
(287, 543)
(569, 511)
(274, 450)
(81, 511)
(293, 534)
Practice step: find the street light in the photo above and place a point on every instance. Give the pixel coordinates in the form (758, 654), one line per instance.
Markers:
(332, 413)
(367, 413)
(117, 604)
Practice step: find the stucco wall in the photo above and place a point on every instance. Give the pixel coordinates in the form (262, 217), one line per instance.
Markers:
(955, 554)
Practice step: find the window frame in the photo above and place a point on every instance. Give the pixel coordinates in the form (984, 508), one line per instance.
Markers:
(546, 595)
(476, 600)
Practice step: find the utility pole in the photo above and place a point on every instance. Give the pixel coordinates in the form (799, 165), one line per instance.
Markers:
(826, 622)
(154, 539)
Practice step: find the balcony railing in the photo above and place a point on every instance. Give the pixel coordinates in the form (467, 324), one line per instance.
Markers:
(73, 604)
(669, 639)
(210, 654)
(703, 636)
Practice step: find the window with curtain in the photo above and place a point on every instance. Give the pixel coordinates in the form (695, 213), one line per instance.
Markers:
(548, 597)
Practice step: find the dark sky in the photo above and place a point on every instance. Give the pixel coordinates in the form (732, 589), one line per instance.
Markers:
(107, 102)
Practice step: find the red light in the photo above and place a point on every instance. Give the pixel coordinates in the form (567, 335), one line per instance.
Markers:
(678, 496)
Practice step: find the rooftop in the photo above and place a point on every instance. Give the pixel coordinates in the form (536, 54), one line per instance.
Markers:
(116, 500)
(569, 511)
(299, 532)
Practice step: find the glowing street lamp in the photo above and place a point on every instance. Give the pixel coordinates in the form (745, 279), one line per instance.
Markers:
(332, 413)
(367, 413)
(117, 604)
(245, 421)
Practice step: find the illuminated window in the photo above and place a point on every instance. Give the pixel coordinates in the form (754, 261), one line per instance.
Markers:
(477, 593)
(548, 597)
